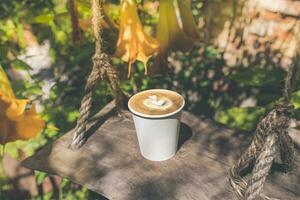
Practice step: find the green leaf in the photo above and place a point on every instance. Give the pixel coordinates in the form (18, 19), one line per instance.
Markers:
(35, 90)
(19, 64)
(40, 177)
(296, 99)
(259, 77)
(241, 118)
(43, 19)
(85, 3)
(212, 52)
(138, 1)
(72, 116)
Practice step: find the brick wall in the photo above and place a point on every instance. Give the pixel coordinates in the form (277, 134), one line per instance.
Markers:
(264, 34)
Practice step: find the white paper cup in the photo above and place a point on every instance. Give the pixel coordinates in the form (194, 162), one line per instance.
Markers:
(157, 134)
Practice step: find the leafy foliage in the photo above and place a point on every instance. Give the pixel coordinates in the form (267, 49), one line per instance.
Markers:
(242, 118)
(259, 77)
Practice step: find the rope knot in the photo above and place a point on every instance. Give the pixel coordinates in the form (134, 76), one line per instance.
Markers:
(101, 62)
(284, 107)
(283, 111)
(270, 135)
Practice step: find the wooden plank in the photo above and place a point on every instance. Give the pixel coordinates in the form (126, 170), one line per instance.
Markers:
(110, 163)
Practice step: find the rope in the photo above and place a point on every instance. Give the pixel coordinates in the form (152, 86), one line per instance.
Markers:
(271, 134)
(290, 78)
(236, 181)
(287, 150)
(102, 69)
(261, 168)
(101, 60)
(272, 124)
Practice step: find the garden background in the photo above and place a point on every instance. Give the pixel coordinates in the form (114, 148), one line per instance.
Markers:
(233, 75)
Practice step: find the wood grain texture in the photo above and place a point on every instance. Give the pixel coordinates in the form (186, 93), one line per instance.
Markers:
(110, 162)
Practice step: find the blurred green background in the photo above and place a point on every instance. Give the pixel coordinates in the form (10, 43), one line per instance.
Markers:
(46, 66)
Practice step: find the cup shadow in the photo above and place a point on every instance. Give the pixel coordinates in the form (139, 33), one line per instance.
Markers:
(185, 133)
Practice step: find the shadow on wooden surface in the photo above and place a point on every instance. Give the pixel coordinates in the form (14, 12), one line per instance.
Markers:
(185, 133)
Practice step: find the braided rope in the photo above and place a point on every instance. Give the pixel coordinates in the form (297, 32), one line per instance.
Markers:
(85, 107)
(248, 157)
(101, 60)
(275, 125)
(261, 169)
(287, 150)
(102, 69)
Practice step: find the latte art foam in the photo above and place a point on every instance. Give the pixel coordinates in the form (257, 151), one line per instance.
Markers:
(156, 102)
(153, 102)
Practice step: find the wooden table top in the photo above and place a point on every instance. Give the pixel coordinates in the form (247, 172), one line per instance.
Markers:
(110, 162)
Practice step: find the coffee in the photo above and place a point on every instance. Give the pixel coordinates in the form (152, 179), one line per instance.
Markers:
(156, 102)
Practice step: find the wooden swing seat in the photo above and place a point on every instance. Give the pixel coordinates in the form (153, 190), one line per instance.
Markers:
(110, 163)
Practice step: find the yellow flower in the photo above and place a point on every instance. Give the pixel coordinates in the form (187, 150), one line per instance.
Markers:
(133, 43)
(16, 123)
(169, 34)
(187, 20)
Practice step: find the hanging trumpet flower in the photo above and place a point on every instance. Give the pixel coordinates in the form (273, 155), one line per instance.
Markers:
(187, 20)
(16, 123)
(169, 34)
(133, 43)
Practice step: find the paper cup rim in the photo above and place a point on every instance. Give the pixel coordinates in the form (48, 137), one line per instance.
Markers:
(156, 116)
